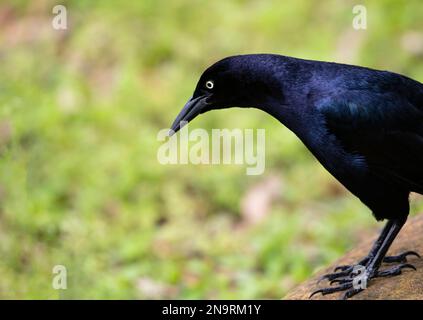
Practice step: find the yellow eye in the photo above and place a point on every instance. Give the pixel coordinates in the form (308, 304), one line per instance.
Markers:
(209, 84)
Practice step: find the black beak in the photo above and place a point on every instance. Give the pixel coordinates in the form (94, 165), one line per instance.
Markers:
(191, 109)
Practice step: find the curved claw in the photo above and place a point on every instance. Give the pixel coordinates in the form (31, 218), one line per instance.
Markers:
(325, 291)
(324, 277)
(315, 292)
(342, 268)
(408, 265)
(395, 270)
(412, 253)
(401, 257)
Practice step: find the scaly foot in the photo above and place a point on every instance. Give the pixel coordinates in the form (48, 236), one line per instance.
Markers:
(354, 278)
(347, 270)
(357, 281)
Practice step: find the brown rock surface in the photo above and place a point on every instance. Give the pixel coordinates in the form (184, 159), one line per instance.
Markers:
(408, 285)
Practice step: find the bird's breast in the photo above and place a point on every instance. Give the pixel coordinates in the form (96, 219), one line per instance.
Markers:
(349, 169)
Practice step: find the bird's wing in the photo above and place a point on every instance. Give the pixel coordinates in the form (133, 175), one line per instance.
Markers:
(383, 127)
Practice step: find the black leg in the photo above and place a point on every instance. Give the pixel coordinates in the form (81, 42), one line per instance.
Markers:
(346, 270)
(371, 263)
(376, 260)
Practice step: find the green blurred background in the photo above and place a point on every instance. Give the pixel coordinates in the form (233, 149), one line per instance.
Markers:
(80, 184)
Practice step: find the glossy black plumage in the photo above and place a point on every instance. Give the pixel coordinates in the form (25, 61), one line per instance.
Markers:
(365, 126)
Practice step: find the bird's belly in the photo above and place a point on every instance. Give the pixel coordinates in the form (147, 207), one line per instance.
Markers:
(384, 199)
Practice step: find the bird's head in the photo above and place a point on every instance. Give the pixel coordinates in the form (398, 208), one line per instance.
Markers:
(238, 81)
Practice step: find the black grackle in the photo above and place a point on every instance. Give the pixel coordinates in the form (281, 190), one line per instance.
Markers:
(364, 126)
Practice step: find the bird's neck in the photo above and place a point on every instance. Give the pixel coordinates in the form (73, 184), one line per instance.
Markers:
(288, 95)
(291, 114)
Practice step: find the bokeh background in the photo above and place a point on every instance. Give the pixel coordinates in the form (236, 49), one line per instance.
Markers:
(80, 184)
